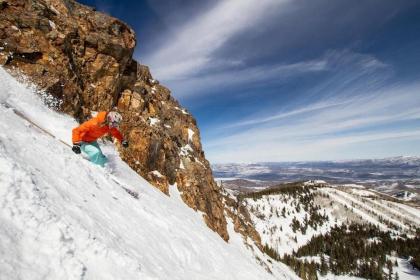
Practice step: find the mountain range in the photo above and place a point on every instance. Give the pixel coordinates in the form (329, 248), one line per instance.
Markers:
(390, 175)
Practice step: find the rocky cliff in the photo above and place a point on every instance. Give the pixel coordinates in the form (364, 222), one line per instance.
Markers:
(84, 59)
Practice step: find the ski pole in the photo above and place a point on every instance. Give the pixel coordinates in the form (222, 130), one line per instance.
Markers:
(23, 116)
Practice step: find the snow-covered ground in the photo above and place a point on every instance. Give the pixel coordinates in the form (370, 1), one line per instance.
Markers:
(64, 218)
(351, 203)
(340, 204)
(275, 229)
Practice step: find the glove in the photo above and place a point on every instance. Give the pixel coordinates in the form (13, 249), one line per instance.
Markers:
(76, 148)
(124, 143)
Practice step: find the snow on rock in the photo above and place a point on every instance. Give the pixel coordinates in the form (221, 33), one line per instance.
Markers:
(157, 174)
(185, 150)
(181, 165)
(182, 110)
(153, 121)
(52, 24)
(64, 218)
(190, 134)
(198, 161)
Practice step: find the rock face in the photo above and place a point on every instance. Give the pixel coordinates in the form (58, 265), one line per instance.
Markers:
(237, 210)
(84, 59)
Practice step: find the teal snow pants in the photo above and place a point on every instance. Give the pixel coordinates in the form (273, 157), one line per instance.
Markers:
(94, 153)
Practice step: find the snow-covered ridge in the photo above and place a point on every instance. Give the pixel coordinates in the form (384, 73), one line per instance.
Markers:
(289, 216)
(273, 214)
(63, 218)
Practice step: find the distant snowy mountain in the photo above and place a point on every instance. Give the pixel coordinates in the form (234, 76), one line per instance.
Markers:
(399, 161)
(64, 218)
(390, 175)
(380, 169)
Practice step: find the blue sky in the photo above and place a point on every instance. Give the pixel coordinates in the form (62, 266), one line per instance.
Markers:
(283, 80)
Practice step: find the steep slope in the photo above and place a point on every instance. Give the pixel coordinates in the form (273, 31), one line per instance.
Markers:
(64, 218)
(84, 59)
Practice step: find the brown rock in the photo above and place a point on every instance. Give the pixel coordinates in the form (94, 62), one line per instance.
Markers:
(159, 181)
(3, 58)
(242, 222)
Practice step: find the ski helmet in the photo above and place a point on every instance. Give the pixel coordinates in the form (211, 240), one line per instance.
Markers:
(114, 119)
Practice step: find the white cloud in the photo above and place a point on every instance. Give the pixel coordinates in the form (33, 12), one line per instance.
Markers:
(295, 112)
(320, 131)
(228, 77)
(234, 77)
(188, 50)
(334, 148)
(351, 106)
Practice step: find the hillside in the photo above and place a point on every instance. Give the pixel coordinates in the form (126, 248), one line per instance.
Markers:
(64, 218)
(84, 59)
(293, 219)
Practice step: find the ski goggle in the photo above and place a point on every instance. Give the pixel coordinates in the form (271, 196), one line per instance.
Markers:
(114, 124)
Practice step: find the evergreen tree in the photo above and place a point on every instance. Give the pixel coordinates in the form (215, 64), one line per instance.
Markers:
(324, 266)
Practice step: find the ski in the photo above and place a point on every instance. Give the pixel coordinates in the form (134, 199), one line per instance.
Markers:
(26, 118)
(134, 194)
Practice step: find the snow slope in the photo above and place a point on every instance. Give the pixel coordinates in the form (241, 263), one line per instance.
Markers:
(347, 203)
(340, 204)
(275, 229)
(63, 218)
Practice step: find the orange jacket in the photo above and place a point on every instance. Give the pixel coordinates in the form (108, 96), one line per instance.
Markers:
(94, 128)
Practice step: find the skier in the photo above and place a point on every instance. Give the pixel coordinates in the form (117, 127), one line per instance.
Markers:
(84, 137)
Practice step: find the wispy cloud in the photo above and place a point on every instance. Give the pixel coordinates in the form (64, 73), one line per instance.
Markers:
(332, 148)
(335, 61)
(317, 96)
(188, 50)
(229, 78)
(315, 130)
(296, 112)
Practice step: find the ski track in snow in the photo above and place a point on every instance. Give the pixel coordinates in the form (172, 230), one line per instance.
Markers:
(413, 212)
(365, 216)
(366, 207)
(63, 218)
(264, 217)
(398, 213)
